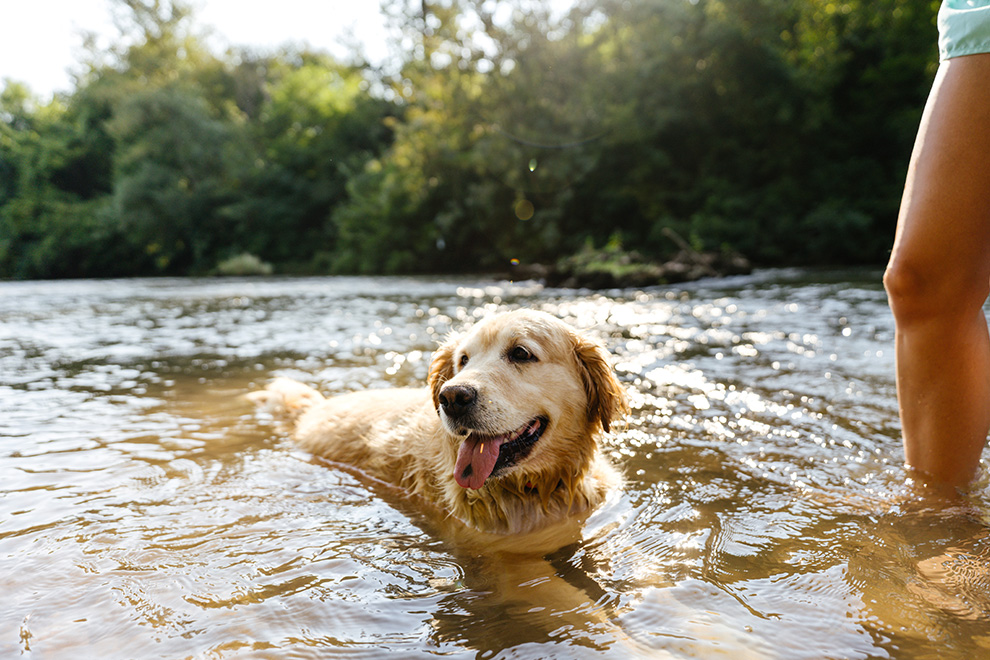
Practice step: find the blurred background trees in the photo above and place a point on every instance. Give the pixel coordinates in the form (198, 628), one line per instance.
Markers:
(778, 128)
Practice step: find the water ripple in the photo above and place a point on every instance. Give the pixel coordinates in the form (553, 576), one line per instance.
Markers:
(149, 513)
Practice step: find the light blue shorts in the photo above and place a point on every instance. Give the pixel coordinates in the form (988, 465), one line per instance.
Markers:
(963, 28)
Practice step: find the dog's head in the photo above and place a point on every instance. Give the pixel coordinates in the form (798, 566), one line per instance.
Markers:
(523, 392)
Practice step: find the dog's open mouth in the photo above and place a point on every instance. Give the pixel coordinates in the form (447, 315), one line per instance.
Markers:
(481, 456)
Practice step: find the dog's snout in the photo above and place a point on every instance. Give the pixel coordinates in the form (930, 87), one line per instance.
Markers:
(457, 400)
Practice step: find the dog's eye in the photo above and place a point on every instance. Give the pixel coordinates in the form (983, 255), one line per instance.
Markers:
(463, 361)
(521, 354)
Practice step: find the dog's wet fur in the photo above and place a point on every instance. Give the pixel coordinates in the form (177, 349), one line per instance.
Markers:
(504, 439)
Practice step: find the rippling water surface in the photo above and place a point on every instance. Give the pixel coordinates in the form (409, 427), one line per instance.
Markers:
(146, 511)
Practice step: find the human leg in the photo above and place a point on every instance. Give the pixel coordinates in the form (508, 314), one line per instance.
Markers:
(938, 278)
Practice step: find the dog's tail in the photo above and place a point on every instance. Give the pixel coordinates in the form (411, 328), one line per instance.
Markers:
(286, 398)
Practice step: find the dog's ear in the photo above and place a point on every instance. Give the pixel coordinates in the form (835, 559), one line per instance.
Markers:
(441, 370)
(606, 396)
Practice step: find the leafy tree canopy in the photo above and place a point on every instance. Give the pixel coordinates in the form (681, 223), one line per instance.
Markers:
(779, 128)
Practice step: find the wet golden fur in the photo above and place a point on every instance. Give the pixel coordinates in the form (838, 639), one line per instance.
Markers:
(403, 437)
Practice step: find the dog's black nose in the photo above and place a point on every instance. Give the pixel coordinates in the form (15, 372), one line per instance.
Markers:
(457, 400)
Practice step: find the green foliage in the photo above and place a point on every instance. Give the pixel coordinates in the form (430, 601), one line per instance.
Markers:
(779, 128)
(170, 180)
(52, 213)
(315, 129)
(608, 266)
(167, 159)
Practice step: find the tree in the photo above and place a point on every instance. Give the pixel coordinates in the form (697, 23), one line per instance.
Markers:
(52, 220)
(171, 177)
(315, 128)
(780, 128)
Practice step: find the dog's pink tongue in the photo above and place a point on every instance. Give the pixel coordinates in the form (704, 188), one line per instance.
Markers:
(475, 461)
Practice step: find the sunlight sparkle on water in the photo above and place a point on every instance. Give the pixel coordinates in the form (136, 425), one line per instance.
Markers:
(762, 514)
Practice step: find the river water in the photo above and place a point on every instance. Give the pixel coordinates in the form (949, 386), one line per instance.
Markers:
(147, 511)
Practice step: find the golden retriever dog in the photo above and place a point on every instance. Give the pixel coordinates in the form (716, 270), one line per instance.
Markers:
(503, 439)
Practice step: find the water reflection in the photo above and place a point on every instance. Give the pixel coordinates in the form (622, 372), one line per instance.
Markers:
(146, 510)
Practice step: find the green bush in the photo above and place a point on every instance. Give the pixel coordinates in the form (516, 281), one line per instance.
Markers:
(243, 264)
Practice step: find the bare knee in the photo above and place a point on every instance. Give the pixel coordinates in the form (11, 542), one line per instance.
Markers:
(923, 292)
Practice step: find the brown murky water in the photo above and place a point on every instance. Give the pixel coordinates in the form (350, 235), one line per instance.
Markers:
(146, 511)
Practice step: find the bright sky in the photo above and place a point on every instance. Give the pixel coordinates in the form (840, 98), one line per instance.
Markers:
(41, 40)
